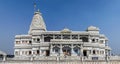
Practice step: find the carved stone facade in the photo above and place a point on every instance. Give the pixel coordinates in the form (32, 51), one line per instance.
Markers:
(40, 42)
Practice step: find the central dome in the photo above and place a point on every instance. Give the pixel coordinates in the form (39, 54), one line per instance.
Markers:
(66, 30)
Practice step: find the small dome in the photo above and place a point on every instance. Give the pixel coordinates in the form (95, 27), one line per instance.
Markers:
(3, 53)
(92, 28)
(66, 30)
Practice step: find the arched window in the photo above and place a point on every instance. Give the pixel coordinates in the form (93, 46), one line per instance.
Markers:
(66, 36)
(93, 40)
(47, 39)
(57, 36)
(38, 52)
(84, 52)
(30, 52)
(30, 42)
(84, 39)
(38, 40)
(94, 52)
(16, 53)
(76, 50)
(74, 36)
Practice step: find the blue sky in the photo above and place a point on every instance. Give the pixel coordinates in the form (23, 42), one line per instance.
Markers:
(16, 16)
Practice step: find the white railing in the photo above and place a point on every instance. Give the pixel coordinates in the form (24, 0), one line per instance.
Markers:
(64, 58)
(45, 58)
(70, 58)
(54, 62)
(114, 58)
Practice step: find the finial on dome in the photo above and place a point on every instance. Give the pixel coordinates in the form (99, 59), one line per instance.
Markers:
(34, 6)
(65, 27)
(38, 10)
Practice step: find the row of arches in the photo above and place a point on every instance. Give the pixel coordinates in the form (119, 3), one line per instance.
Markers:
(67, 50)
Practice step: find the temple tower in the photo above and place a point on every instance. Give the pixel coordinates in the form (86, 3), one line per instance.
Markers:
(37, 24)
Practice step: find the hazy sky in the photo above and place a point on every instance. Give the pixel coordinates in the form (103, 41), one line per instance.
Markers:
(16, 16)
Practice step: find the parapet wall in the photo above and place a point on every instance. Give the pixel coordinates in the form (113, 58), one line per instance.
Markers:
(60, 60)
(54, 62)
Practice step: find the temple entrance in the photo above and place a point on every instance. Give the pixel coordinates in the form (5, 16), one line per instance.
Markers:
(47, 52)
(67, 51)
(84, 52)
(77, 51)
(56, 50)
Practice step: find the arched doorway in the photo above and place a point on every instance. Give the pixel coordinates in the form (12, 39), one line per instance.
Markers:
(56, 51)
(67, 51)
(47, 53)
(84, 52)
(77, 51)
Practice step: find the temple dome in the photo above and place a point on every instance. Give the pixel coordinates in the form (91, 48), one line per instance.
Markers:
(92, 28)
(66, 30)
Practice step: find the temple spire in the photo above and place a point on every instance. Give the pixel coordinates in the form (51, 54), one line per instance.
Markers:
(37, 24)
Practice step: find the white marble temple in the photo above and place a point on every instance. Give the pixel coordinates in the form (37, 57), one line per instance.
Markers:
(39, 42)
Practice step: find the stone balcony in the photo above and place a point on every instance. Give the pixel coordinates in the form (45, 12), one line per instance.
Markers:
(93, 44)
(65, 41)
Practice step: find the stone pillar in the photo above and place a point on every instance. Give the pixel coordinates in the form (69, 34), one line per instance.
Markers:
(53, 36)
(72, 51)
(61, 51)
(88, 53)
(91, 51)
(78, 36)
(106, 52)
(61, 36)
(89, 39)
(40, 52)
(34, 52)
(70, 37)
(110, 53)
(81, 54)
(51, 48)
(42, 37)
(4, 57)
(79, 51)
(32, 58)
